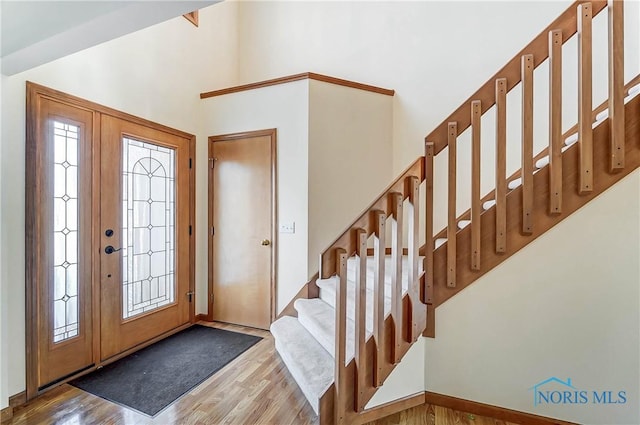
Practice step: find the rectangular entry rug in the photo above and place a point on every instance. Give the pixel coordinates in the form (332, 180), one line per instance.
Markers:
(154, 377)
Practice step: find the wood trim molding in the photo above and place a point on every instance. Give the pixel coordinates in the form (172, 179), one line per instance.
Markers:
(18, 400)
(391, 408)
(290, 310)
(15, 401)
(192, 17)
(6, 414)
(192, 227)
(203, 318)
(488, 410)
(298, 77)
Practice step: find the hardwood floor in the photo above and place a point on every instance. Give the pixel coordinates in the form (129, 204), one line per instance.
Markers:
(436, 415)
(255, 388)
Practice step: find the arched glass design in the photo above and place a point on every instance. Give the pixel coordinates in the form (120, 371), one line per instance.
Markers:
(148, 233)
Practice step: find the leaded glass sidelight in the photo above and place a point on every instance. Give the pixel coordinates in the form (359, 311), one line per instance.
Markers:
(148, 233)
(65, 231)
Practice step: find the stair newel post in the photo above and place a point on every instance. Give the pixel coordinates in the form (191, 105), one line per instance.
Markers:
(361, 315)
(616, 83)
(585, 98)
(555, 122)
(340, 336)
(396, 200)
(452, 224)
(501, 165)
(527, 144)
(379, 220)
(428, 238)
(413, 184)
(476, 208)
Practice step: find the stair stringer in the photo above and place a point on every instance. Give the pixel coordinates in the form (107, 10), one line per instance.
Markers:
(543, 221)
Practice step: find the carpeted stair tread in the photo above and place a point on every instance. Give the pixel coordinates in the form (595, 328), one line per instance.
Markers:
(319, 319)
(308, 362)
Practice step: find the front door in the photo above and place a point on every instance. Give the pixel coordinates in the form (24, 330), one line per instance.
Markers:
(144, 218)
(242, 211)
(108, 235)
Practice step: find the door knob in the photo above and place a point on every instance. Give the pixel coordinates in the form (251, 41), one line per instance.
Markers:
(266, 242)
(110, 250)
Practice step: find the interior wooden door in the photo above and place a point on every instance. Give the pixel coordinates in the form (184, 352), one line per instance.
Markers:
(144, 227)
(242, 184)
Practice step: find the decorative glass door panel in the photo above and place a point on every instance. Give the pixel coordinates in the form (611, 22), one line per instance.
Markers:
(60, 206)
(148, 233)
(144, 217)
(65, 230)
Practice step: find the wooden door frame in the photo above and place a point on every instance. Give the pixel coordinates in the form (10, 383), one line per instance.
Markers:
(272, 133)
(34, 92)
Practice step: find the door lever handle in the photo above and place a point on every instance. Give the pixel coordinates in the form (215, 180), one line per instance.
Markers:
(110, 250)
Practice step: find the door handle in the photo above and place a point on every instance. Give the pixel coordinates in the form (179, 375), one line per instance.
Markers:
(266, 242)
(110, 250)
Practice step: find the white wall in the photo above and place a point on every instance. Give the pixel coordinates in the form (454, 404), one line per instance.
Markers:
(435, 54)
(156, 74)
(350, 146)
(325, 132)
(406, 379)
(286, 108)
(417, 48)
(567, 305)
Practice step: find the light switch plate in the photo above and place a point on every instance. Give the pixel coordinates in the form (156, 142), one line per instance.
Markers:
(288, 227)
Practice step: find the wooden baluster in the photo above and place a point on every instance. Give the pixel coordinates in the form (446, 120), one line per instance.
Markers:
(501, 165)
(428, 237)
(452, 224)
(555, 122)
(413, 255)
(527, 144)
(476, 208)
(585, 100)
(396, 275)
(361, 318)
(616, 83)
(429, 241)
(378, 294)
(340, 335)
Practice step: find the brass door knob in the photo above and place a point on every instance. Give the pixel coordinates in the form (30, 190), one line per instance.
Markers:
(266, 242)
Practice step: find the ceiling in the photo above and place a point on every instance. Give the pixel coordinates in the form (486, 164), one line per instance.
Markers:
(36, 32)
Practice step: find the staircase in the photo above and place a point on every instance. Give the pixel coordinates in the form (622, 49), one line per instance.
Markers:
(376, 291)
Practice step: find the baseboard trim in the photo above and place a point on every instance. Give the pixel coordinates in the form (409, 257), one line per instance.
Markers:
(488, 410)
(391, 408)
(6, 414)
(203, 317)
(19, 399)
(15, 400)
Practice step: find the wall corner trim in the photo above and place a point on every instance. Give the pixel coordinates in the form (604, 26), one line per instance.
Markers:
(298, 77)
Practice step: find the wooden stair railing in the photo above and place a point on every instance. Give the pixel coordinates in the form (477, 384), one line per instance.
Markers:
(520, 212)
(573, 131)
(356, 382)
(576, 19)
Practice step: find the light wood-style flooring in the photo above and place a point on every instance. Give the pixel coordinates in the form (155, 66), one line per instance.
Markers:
(255, 388)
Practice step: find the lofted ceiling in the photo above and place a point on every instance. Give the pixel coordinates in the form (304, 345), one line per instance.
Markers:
(36, 32)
